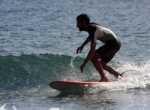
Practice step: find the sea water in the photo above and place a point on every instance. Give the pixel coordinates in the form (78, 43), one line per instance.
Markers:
(38, 42)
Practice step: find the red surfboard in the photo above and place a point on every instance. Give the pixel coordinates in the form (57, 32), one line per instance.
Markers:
(66, 86)
(71, 86)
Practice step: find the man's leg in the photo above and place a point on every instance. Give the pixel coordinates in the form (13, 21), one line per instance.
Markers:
(109, 69)
(99, 67)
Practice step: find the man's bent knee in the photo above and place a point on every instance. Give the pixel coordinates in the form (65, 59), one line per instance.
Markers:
(95, 57)
(104, 65)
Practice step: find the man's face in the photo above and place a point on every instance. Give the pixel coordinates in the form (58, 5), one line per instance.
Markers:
(80, 25)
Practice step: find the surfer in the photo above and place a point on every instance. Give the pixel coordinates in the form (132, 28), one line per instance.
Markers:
(105, 53)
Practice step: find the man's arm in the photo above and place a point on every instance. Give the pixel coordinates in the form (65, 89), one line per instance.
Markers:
(84, 43)
(91, 52)
(89, 56)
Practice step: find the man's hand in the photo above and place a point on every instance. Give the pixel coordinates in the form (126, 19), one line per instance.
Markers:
(79, 49)
(82, 67)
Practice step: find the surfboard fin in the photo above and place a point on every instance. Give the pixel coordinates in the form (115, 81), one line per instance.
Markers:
(121, 74)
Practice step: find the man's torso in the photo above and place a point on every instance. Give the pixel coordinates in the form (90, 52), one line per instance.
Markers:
(97, 32)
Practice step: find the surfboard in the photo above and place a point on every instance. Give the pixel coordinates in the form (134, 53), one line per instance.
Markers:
(76, 86)
(72, 86)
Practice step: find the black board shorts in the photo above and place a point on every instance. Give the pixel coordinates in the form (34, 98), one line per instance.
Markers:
(108, 50)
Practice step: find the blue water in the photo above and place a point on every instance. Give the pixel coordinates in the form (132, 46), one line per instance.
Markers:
(38, 42)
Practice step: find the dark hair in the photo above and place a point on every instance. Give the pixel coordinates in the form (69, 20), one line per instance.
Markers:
(83, 17)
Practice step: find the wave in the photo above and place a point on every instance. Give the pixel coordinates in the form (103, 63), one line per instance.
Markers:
(31, 70)
(18, 72)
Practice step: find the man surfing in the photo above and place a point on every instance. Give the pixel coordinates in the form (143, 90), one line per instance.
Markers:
(105, 53)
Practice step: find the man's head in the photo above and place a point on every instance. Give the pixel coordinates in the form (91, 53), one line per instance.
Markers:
(82, 21)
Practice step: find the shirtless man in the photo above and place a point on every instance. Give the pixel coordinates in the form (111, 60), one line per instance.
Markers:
(105, 53)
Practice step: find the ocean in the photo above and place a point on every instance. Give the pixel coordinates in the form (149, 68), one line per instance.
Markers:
(38, 42)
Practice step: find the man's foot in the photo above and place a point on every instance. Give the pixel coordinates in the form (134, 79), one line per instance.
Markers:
(117, 75)
(103, 80)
